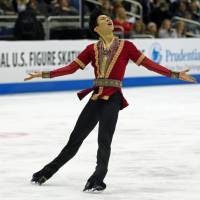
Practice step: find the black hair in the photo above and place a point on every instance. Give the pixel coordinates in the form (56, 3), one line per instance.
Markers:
(93, 21)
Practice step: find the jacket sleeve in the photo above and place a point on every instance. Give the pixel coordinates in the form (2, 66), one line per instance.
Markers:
(134, 54)
(84, 57)
(140, 59)
(150, 65)
(80, 62)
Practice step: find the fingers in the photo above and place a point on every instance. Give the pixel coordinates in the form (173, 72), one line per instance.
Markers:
(185, 77)
(31, 75)
(28, 78)
(186, 70)
(188, 78)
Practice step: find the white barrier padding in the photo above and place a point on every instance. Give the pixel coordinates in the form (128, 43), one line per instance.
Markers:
(18, 58)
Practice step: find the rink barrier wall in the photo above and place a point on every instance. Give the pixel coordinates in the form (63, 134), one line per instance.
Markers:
(30, 87)
(29, 56)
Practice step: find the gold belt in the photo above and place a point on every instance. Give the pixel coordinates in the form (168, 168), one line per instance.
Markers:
(104, 82)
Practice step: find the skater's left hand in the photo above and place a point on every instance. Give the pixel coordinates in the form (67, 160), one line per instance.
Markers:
(185, 77)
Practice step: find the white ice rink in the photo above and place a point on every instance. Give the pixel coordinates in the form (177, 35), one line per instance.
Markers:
(155, 150)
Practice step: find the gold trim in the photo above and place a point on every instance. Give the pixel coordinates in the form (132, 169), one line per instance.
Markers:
(114, 60)
(46, 74)
(80, 63)
(97, 59)
(110, 67)
(105, 97)
(103, 66)
(175, 75)
(95, 96)
(105, 82)
(140, 59)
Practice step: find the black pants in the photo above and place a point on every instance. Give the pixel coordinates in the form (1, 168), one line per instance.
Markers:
(106, 113)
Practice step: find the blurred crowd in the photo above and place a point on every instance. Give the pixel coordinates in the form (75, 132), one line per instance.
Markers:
(40, 7)
(156, 20)
(157, 17)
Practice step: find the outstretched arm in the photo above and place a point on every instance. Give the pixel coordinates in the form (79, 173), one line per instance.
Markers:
(80, 62)
(140, 59)
(149, 64)
(69, 69)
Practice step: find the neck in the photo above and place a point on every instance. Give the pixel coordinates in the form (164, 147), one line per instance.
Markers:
(108, 38)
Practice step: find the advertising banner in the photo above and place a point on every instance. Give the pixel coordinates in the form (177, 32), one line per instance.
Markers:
(19, 58)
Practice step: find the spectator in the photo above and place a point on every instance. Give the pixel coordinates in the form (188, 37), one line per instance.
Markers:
(160, 12)
(39, 7)
(27, 27)
(146, 5)
(181, 9)
(6, 7)
(192, 29)
(139, 28)
(166, 30)
(121, 19)
(20, 5)
(173, 6)
(152, 29)
(180, 29)
(52, 6)
(195, 10)
(106, 7)
(63, 7)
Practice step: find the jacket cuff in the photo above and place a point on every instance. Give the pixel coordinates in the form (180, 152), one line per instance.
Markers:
(46, 74)
(175, 75)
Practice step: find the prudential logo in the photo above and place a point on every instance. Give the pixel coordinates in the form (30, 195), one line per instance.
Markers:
(156, 52)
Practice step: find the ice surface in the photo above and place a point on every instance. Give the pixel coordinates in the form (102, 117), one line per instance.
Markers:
(155, 150)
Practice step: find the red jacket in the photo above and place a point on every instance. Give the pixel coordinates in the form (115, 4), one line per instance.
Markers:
(120, 54)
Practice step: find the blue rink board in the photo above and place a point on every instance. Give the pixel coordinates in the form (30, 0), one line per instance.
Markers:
(50, 86)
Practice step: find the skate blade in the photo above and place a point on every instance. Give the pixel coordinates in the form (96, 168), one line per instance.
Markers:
(93, 191)
(35, 183)
(40, 181)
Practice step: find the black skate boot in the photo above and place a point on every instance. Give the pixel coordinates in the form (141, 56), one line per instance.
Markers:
(42, 176)
(94, 185)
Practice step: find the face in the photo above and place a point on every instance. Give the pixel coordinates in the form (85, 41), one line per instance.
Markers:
(194, 6)
(64, 3)
(180, 26)
(152, 28)
(104, 25)
(167, 24)
(121, 13)
(182, 7)
(138, 26)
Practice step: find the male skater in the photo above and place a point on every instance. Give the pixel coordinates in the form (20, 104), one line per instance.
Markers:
(109, 57)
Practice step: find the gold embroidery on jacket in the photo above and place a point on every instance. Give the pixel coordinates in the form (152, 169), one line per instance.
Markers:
(114, 60)
(109, 69)
(105, 97)
(103, 66)
(140, 59)
(97, 59)
(95, 96)
(80, 63)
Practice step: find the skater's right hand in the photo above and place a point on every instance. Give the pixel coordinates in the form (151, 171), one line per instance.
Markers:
(33, 75)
